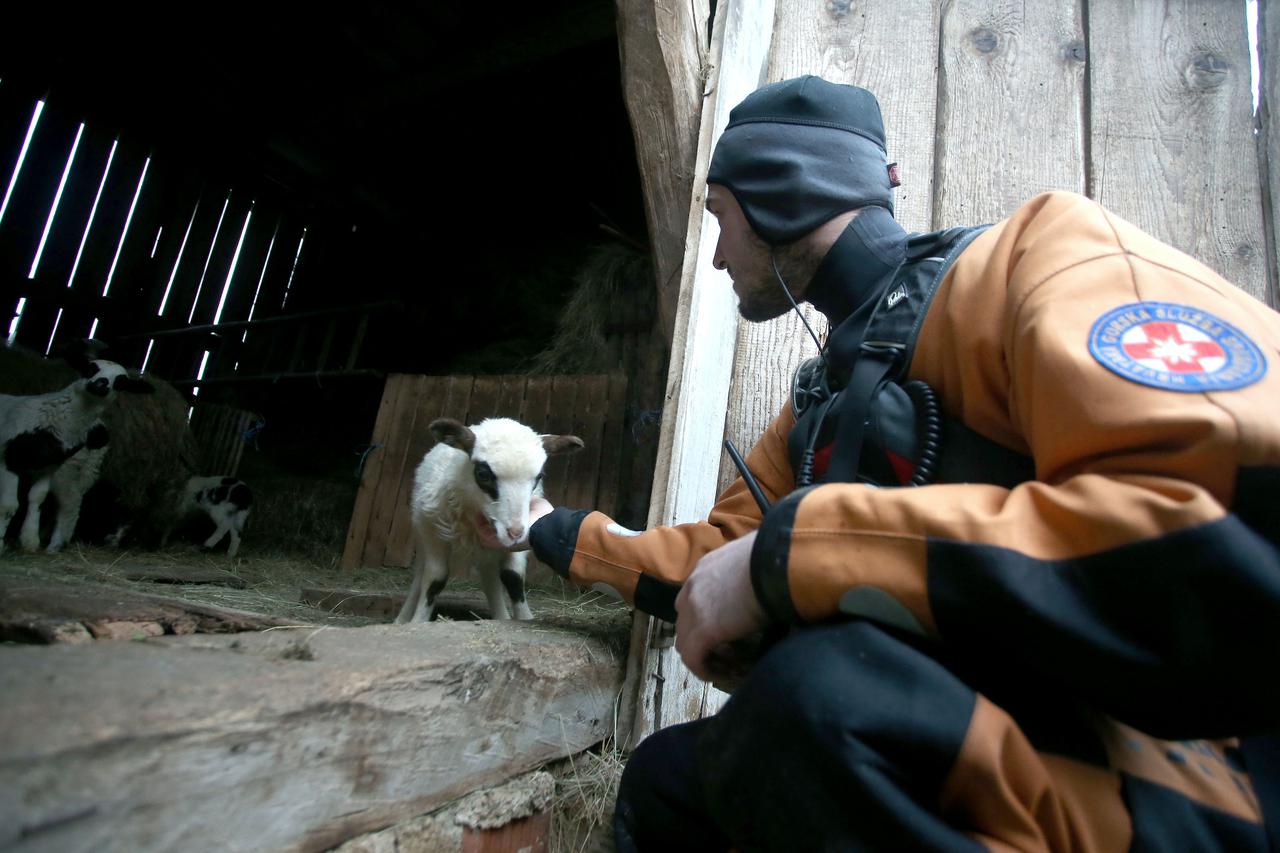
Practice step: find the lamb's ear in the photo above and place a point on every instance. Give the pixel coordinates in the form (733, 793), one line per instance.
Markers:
(561, 445)
(453, 434)
(133, 385)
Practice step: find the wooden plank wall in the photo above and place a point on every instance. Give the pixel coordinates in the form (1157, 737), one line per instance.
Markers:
(1144, 106)
(161, 248)
(592, 407)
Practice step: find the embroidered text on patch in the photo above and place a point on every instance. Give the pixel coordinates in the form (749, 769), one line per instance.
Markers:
(1175, 347)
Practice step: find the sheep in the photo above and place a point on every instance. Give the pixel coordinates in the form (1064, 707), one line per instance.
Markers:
(39, 433)
(484, 475)
(140, 482)
(224, 501)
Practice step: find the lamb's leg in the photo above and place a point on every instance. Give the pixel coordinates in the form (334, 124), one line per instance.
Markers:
(238, 519)
(8, 501)
(512, 576)
(490, 571)
(433, 573)
(415, 589)
(30, 535)
(69, 501)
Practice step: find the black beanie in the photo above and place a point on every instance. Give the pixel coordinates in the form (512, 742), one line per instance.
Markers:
(798, 152)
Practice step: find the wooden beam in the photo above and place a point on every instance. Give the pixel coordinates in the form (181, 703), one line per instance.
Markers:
(288, 739)
(663, 46)
(660, 690)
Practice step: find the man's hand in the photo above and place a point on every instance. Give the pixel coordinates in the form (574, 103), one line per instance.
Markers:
(717, 605)
(538, 507)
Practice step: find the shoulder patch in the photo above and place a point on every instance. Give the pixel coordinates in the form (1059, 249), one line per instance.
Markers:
(1175, 348)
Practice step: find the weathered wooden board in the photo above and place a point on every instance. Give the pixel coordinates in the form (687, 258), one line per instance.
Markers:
(1011, 107)
(1172, 139)
(663, 47)
(287, 740)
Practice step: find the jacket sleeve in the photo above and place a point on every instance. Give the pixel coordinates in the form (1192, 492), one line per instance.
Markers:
(1118, 573)
(647, 568)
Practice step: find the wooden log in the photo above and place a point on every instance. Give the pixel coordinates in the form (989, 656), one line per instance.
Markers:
(34, 612)
(384, 605)
(659, 690)
(664, 59)
(1173, 149)
(292, 740)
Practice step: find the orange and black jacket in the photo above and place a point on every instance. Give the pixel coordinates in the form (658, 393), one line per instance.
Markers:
(1139, 571)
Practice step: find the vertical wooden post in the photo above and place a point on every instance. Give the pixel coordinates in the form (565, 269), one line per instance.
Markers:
(664, 58)
(659, 690)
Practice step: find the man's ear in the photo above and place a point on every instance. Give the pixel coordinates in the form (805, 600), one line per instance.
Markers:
(560, 445)
(453, 433)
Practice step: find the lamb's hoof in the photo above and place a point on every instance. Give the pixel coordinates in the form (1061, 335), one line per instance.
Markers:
(53, 549)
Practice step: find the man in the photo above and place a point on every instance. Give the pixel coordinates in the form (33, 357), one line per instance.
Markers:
(1017, 652)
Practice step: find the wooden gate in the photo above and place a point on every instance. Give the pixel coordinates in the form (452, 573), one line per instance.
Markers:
(592, 407)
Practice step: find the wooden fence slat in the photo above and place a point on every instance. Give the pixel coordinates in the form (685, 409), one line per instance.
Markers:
(589, 419)
(560, 414)
(393, 463)
(371, 474)
(612, 443)
(511, 398)
(484, 399)
(1173, 149)
(430, 400)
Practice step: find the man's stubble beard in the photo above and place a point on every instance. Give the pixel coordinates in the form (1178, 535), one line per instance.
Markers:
(765, 300)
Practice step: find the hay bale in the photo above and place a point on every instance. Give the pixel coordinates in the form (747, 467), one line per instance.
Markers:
(614, 295)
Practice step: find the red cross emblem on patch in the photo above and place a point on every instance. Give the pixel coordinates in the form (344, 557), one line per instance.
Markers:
(1175, 347)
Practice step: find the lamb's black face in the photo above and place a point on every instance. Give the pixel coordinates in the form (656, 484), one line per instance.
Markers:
(486, 479)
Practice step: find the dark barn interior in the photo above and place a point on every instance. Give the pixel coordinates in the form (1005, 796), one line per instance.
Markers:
(273, 209)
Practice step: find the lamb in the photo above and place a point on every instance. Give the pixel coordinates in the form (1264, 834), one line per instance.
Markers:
(225, 501)
(40, 433)
(484, 475)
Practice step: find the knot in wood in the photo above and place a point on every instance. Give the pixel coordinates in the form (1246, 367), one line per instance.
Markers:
(1246, 252)
(1075, 51)
(1207, 71)
(839, 8)
(984, 40)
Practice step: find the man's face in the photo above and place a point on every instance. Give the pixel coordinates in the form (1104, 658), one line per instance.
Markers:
(742, 254)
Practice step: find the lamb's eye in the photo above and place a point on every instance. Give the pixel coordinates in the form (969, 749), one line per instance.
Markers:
(484, 474)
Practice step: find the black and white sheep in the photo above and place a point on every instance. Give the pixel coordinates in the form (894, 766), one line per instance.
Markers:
(224, 501)
(40, 433)
(483, 475)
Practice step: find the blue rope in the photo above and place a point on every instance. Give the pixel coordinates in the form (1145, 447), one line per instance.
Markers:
(364, 456)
